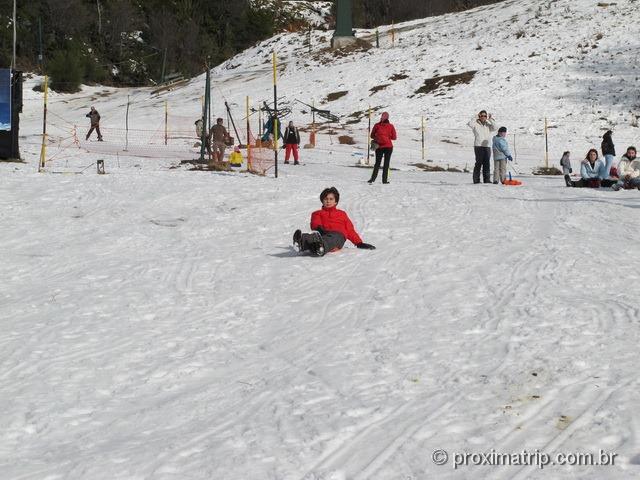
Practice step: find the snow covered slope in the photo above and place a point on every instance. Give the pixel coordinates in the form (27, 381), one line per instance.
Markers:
(156, 323)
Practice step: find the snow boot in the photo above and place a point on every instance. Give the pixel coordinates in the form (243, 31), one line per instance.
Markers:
(297, 240)
(309, 242)
(316, 246)
(567, 180)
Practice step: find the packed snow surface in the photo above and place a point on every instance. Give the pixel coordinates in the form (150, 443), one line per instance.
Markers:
(157, 324)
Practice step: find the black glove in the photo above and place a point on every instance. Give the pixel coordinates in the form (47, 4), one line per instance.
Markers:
(571, 170)
(366, 246)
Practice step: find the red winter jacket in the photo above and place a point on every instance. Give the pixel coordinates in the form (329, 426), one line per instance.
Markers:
(383, 133)
(334, 220)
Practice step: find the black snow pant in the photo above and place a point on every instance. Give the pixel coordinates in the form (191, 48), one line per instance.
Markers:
(380, 152)
(591, 182)
(97, 129)
(330, 241)
(483, 161)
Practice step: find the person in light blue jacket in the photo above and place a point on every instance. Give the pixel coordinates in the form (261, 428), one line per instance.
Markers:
(501, 154)
(593, 173)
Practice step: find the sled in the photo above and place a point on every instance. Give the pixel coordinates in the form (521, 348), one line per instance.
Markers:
(511, 182)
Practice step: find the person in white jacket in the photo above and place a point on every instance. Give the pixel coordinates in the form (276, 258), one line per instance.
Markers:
(628, 170)
(482, 128)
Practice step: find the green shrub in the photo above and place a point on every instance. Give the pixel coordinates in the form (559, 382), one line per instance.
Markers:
(66, 70)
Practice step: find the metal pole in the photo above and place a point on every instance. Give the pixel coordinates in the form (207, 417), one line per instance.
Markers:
(275, 115)
(422, 138)
(203, 136)
(126, 147)
(40, 55)
(166, 121)
(164, 63)
(13, 60)
(248, 136)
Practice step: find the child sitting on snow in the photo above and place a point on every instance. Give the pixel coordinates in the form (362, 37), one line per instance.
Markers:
(235, 159)
(332, 227)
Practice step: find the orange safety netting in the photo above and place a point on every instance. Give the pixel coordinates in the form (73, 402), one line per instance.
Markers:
(260, 157)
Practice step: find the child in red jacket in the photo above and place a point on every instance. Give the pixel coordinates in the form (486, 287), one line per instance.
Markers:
(332, 227)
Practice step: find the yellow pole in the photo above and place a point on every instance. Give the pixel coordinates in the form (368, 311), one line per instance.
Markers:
(166, 121)
(43, 149)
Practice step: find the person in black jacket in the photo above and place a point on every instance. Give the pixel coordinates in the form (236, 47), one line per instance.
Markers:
(94, 117)
(291, 142)
(608, 151)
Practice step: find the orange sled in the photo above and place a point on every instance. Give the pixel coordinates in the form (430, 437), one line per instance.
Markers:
(512, 182)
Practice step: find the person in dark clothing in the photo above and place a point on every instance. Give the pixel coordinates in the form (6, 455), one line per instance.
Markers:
(94, 117)
(291, 142)
(331, 228)
(608, 151)
(382, 134)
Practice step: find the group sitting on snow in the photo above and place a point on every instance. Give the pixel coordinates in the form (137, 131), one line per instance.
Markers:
(595, 173)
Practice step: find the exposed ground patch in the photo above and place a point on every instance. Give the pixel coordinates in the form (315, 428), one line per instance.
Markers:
(446, 81)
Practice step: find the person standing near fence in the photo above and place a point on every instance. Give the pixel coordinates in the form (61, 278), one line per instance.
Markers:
(94, 117)
(608, 151)
(218, 138)
(383, 133)
(482, 128)
(501, 154)
(565, 163)
(291, 142)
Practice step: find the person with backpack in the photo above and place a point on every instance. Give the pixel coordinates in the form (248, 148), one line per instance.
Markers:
(501, 154)
(331, 228)
(608, 151)
(482, 128)
(383, 133)
(94, 118)
(291, 142)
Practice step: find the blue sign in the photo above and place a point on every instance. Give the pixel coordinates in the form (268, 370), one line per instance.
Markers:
(5, 99)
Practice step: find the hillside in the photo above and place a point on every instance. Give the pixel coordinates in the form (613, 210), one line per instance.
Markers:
(157, 323)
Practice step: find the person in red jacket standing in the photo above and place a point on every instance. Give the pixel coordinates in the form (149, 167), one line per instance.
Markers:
(331, 228)
(383, 133)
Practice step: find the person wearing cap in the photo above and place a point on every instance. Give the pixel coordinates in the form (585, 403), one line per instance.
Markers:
(383, 133)
(482, 126)
(501, 154)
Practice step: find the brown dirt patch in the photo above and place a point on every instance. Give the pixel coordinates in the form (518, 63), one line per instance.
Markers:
(446, 81)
